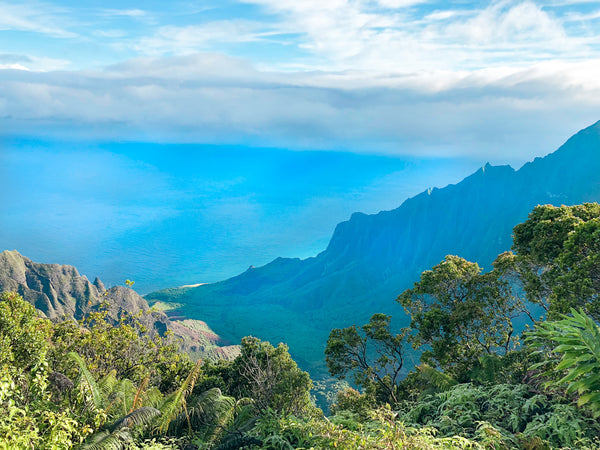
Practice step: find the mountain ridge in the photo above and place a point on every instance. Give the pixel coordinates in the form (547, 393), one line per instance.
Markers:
(59, 292)
(370, 259)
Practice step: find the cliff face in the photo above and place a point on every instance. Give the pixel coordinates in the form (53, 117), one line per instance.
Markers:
(373, 258)
(60, 292)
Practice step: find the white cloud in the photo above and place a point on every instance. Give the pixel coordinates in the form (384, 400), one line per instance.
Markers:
(13, 66)
(30, 62)
(399, 3)
(125, 12)
(366, 35)
(111, 34)
(581, 17)
(509, 23)
(35, 17)
(194, 38)
(372, 75)
(508, 113)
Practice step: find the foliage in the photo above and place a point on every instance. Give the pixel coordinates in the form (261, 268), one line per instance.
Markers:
(126, 348)
(461, 314)
(23, 337)
(350, 400)
(176, 403)
(29, 416)
(518, 414)
(557, 257)
(373, 355)
(264, 373)
(99, 385)
(381, 431)
(577, 341)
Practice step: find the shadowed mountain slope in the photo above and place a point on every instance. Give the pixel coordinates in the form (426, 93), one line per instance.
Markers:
(373, 258)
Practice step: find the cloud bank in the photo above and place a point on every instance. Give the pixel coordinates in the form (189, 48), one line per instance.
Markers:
(509, 114)
(509, 79)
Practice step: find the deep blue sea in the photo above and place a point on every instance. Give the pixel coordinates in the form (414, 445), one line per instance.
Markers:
(171, 215)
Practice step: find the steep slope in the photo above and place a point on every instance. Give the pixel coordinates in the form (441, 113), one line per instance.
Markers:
(60, 292)
(372, 258)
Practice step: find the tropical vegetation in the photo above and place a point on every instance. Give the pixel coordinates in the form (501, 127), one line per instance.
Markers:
(509, 358)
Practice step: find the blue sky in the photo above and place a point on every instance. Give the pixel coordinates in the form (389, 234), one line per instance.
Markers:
(502, 81)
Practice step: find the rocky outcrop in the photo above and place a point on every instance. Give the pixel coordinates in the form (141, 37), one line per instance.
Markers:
(59, 292)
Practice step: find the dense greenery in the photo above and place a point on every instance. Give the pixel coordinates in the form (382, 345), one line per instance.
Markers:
(479, 374)
(485, 381)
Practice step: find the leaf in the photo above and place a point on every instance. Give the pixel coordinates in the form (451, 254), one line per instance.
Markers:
(175, 403)
(87, 383)
(140, 416)
(108, 441)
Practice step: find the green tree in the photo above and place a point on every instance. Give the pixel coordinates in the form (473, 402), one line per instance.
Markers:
(373, 355)
(23, 335)
(461, 314)
(30, 418)
(127, 348)
(268, 375)
(557, 258)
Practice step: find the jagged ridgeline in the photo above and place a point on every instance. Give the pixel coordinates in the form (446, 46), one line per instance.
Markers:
(60, 292)
(373, 258)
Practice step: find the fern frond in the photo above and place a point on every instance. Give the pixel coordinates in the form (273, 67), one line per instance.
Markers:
(138, 399)
(104, 440)
(176, 403)
(107, 384)
(152, 397)
(141, 416)
(436, 378)
(87, 384)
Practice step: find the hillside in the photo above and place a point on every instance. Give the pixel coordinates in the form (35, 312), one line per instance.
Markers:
(372, 258)
(59, 292)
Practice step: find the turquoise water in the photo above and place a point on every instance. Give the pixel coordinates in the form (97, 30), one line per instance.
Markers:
(170, 215)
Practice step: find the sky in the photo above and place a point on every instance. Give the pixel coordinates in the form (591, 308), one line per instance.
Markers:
(501, 81)
(180, 142)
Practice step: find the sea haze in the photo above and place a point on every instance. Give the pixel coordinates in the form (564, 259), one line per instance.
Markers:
(170, 215)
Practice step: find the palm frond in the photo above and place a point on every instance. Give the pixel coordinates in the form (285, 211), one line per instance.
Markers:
(577, 340)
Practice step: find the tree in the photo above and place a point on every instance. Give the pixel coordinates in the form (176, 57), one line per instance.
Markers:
(127, 348)
(373, 355)
(23, 335)
(30, 418)
(268, 375)
(558, 258)
(461, 314)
